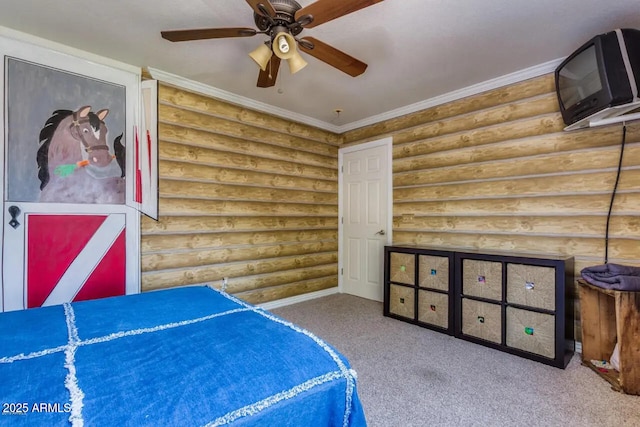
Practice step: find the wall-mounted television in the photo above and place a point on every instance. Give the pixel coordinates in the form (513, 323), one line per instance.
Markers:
(600, 80)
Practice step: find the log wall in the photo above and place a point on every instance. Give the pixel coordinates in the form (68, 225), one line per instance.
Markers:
(251, 197)
(496, 171)
(242, 195)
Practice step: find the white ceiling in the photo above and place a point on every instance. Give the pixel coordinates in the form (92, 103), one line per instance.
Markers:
(417, 50)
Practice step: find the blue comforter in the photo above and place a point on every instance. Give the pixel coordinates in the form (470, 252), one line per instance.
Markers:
(189, 356)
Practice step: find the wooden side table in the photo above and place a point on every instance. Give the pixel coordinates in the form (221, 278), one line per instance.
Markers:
(607, 317)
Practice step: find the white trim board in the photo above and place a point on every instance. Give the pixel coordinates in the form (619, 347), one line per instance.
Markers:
(507, 79)
(299, 298)
(207, 90)
(224, 95)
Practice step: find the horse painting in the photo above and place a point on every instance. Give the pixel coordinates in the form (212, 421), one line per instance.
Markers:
(75, 163)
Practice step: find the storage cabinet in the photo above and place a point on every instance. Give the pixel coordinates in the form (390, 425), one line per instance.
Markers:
(418, 287)
(512, 303)
(515, 304)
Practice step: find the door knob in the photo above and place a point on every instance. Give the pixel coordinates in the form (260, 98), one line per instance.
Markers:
(14, 211)
(381, 232)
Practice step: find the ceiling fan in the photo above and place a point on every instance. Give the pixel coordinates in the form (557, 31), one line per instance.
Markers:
(282, 21)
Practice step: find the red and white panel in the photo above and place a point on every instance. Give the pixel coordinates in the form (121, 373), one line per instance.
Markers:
(74, 257)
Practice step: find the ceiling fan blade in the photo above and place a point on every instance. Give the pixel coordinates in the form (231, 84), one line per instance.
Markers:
(332, 56)
(207, 33)
(267, 78)
(327, 10)
(266, 7)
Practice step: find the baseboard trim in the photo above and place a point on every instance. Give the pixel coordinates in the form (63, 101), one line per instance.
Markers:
(298, 298)
(578, 348)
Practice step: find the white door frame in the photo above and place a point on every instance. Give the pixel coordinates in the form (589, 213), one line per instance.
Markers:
(388, 142)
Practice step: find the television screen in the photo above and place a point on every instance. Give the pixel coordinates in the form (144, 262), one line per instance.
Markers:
(579, 78)
(600, 80)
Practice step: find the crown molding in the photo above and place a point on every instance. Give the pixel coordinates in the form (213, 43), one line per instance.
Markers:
(223, 95)
(507, 79)
(214, 92)
(495, 83)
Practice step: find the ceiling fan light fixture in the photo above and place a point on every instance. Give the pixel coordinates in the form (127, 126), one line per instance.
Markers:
(282, 21)
(284, 45)
(296, 63)
(262, 55)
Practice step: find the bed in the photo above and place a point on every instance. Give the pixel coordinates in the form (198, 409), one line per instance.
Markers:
(191, 356)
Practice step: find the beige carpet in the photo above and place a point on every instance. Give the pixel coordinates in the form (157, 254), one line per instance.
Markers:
(412, 376)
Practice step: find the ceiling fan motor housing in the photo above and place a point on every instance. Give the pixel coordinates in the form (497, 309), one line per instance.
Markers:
(285, 15)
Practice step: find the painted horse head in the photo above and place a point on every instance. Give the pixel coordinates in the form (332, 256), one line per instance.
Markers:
(74, 152)
(89, 128)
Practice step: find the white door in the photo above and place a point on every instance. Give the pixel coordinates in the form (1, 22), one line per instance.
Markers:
(70, 228)
(55, 253)
(365, 217)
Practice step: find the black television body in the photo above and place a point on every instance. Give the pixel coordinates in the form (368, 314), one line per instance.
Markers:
(601, 74)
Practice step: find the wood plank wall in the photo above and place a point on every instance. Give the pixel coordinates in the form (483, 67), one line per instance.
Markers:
(253, 198)
(496, 171)
(243, 195)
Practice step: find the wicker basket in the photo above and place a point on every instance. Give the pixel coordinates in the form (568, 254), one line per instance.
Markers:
(482, 320)
(531, 331)
(402, 268)
(482, 279)
(433, 308)
(530, 285)
(434, 272)
(402, 301)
